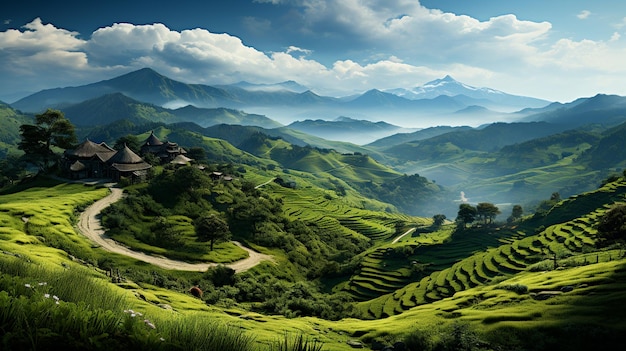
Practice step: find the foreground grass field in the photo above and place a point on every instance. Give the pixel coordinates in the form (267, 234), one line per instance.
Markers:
(508, 295)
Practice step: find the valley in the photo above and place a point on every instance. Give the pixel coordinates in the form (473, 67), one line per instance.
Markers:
(330, 233)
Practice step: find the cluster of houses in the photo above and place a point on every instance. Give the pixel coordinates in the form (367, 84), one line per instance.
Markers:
(98, 160)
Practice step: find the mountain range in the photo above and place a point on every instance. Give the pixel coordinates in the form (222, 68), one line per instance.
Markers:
(441, 100)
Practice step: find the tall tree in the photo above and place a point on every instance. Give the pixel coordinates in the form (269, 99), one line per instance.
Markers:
(439, 219)
(516, 213)
(466, 215)
(211, 228)
(487, 211)
(51, 129)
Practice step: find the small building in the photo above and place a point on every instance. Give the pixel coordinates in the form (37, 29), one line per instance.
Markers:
(125, 163)
(93, 160)
(165, 151)
(181, 160)
(87, 160)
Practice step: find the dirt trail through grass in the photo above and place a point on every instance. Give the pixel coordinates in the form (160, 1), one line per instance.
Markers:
(89, 225)
(403, 235)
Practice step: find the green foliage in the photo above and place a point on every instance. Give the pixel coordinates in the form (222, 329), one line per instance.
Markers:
(45, 310)
(297, 343)
(129, 140)
(516, 214)
(517, 288)
(612, 226)
(487, 211)
(51, 129)
(467, 214)
(439, 220)
(211, 228)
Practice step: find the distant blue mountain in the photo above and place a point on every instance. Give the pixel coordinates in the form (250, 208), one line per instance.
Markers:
(486, 97)
(608, 110)
(443, 101)
(289, 85)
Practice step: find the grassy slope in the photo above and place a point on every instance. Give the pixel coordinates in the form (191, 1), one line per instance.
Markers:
(596, 300)
(569, 234)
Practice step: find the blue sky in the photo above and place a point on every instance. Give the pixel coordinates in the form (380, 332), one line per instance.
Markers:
(558, 50)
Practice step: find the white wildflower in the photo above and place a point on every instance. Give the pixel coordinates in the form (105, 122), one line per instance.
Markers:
(149, 324)
(47, 296)
(27, 285)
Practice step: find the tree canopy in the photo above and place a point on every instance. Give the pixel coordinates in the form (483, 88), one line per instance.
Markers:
(51, 129)
(487, 211)
(211, 228)
(612, 226)
(466, 215)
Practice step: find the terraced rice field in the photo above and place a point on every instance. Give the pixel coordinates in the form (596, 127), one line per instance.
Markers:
(566, 241)
(392, 272)
(333, 215)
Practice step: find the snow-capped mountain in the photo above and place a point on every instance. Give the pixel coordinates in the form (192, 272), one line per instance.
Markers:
(449, 86)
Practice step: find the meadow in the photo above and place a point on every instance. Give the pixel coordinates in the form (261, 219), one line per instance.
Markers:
(436, 288)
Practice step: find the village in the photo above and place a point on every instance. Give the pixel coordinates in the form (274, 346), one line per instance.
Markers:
(98, 160)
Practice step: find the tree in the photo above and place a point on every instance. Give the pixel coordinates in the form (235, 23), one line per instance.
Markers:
(487, 211)
(516, 214)
(467, 214)
(129, 140)
(612, 226)
(197, 154)
(439, 219)
(51, 129)
(211, 228)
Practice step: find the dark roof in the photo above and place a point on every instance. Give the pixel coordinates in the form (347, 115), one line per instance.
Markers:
(153, 140)
(130, 167)
(125, 156)
(89, 149)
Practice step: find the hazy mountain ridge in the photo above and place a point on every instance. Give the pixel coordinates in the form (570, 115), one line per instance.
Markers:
(284, 101)
(116, 106)
(608, 110)
(347, 129)
(289, 85)
(450, 87)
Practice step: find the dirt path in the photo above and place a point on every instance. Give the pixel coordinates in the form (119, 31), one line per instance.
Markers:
(90, 226)
(403, 235)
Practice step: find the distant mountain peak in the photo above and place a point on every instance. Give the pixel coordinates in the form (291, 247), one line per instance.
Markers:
(486, 97)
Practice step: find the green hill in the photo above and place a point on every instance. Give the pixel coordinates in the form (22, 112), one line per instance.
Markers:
(113, 107)
(498, 287)
(10, 121)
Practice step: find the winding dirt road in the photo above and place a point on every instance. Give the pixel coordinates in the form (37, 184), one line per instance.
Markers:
(89, 225)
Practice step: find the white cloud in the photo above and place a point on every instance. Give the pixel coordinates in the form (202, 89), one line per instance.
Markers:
(292, 48)
(584, 14)
(407, 45)
(615, 37)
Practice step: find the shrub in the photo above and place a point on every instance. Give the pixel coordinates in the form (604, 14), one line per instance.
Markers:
(419, 340)
(517, 288)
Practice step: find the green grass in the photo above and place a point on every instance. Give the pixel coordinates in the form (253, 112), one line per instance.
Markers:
(479, 268)
(464, 281)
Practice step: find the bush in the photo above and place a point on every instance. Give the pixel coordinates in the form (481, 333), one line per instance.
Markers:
(517, 288)
(419, 340)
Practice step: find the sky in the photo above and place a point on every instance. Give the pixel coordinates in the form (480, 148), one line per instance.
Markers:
(557, 50)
